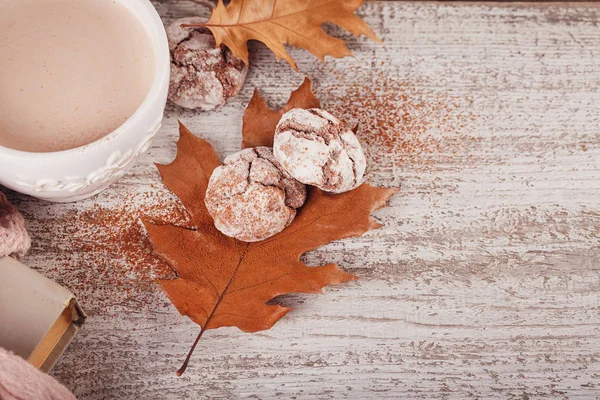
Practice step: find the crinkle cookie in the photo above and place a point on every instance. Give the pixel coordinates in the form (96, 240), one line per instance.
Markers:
(317, 149)
(251, 198)
(202, 76)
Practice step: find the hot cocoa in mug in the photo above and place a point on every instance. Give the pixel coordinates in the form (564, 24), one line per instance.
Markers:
(83, 86)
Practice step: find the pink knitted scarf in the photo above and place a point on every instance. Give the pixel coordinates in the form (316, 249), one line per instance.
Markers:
(14, 240)
(19, 380)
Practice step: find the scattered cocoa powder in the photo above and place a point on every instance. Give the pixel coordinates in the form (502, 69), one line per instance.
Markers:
(103, 254)
(401, 125)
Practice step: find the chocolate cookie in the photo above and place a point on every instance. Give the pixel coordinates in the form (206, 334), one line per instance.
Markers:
(202, 76)
(251, 198)
(317, 149)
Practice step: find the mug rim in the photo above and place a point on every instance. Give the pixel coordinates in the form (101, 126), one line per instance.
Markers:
(161, 74)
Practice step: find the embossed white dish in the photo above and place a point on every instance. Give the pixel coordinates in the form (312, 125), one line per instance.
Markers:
(76, 174)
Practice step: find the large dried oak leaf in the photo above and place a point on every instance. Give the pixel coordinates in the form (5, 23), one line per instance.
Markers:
(280, 22)
(224, 282)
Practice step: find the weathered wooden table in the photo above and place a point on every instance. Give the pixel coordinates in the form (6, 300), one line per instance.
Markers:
(484, 281)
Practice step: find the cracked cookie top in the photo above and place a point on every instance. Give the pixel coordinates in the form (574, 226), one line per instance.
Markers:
(202, 76)
(318, 149)
(250, 196)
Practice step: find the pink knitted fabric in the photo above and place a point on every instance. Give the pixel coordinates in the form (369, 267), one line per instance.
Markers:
(20, 380)
(14, 240)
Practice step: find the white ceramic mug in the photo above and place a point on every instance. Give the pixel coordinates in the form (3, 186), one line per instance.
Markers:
(76, 174)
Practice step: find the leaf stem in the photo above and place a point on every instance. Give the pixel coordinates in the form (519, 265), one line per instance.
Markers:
(192, 25)
(181, 370)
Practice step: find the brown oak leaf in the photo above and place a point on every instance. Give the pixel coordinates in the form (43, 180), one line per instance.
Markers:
(280, 22)
(224, 282)
(260, 120)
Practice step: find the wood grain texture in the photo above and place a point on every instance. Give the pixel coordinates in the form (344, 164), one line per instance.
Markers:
(484, 281)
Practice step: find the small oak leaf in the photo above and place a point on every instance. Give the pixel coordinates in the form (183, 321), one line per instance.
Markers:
(280, 22)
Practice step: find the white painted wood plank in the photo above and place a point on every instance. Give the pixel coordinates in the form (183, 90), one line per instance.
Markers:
(484, 280)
